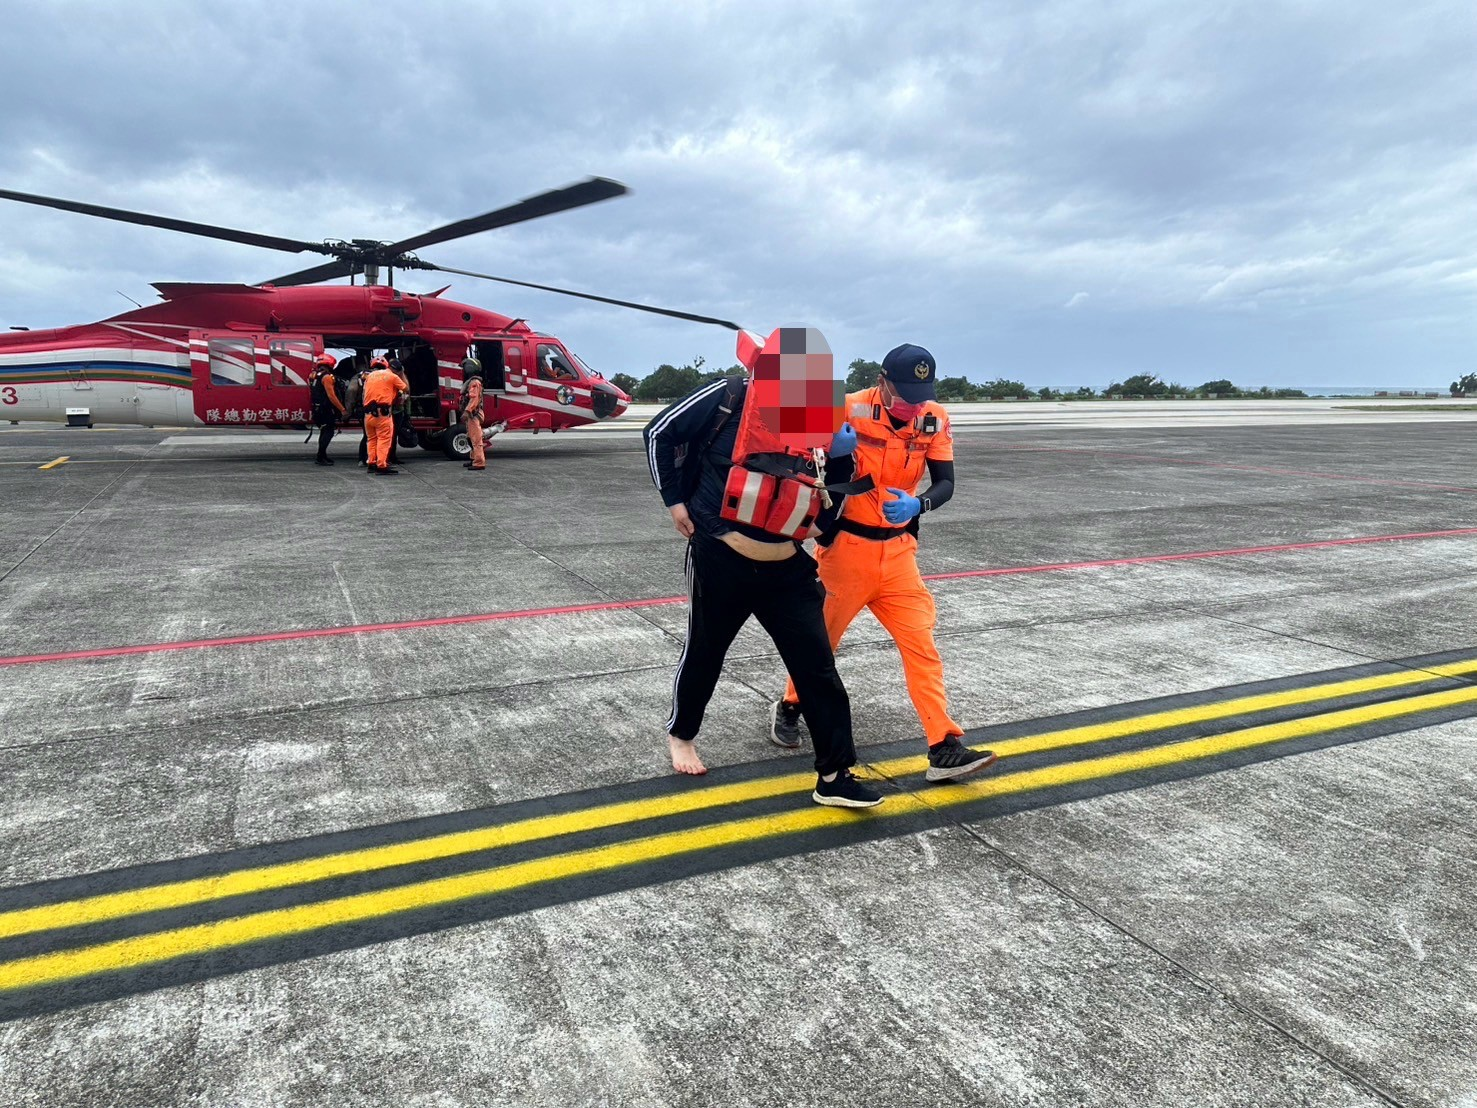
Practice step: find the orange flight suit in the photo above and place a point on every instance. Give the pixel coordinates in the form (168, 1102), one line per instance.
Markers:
(381, 387)
(882, 574)
(472, 418)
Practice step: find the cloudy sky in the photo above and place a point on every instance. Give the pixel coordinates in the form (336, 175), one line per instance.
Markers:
(1055, 191)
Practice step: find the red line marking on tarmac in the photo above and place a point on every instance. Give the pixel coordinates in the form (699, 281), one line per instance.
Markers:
(664, 601)
(1196, 554)
(1026, 447)
(329, 632)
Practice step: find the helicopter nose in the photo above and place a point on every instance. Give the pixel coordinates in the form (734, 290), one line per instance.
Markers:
(607, 400)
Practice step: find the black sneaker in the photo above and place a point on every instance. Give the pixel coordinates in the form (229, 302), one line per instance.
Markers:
(785, 730)
(323, 461)
(385, 471)
(845, 792)
(951, 759)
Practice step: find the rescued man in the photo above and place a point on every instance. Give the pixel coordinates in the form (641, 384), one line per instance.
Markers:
(733, 571)
(870, 559)
(328, 409)
(473, 412)
(382, 389)
(403, 431)
(351, 372)
(354, 402)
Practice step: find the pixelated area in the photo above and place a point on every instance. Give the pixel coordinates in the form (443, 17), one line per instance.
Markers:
(795, 388)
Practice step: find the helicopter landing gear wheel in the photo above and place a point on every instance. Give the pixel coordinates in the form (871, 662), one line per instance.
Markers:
(455, 442)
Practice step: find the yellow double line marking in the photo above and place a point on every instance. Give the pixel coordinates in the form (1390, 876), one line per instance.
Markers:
(179, 894)
(278, 923)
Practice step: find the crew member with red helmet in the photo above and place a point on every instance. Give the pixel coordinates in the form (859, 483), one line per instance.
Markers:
(328, 409)
(870, 558)
(382, 389)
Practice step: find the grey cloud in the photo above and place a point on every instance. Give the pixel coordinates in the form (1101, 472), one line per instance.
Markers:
(1294, 177)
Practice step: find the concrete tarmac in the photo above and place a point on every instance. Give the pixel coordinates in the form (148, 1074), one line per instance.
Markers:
(325, 789)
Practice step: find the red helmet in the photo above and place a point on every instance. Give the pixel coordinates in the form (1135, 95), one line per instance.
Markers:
(325, 360)
(379, 363)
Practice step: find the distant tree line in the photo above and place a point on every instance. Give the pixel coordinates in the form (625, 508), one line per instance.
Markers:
(1146, 384)
(667, 382)
(1465, 385)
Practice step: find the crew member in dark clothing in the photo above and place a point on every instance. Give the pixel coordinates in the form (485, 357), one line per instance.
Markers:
(734, 571)
(328, 409)
(403, 433)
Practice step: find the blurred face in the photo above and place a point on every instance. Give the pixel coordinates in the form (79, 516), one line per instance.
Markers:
(795, 386)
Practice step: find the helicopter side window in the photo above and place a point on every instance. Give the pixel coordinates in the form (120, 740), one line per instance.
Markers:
(291, 362)
(552, 365)
(233, 363)
(490, 354)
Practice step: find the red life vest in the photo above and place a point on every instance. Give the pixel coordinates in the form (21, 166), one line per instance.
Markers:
(774, 486)
(782, 505)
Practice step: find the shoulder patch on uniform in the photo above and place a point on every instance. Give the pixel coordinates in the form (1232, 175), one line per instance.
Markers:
(861, 411)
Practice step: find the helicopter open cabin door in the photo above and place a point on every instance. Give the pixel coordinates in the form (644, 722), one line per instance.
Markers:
(241, 379)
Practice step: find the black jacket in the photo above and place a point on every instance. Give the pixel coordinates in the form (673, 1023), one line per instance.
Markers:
(689, 422)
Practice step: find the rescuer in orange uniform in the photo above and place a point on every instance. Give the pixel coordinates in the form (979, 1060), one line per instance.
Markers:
(870, 560)
(473, 411)
(382, 388)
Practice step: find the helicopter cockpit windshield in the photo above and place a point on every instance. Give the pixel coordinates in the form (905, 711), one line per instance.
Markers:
(554, 364)
(594, 374)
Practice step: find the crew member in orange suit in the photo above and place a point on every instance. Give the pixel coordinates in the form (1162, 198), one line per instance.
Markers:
(473, 411)
(870, 559)
(382, 388)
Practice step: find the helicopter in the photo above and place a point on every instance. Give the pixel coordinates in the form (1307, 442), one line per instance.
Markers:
(241, 355)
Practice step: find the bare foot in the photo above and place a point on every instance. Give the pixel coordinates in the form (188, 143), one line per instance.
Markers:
(684, 757)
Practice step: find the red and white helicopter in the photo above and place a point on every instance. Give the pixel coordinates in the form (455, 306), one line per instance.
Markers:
(234, 355)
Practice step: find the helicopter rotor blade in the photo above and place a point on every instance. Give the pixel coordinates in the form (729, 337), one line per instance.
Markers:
(589, 191)
(325, 272)
(205, 230)
(589, 296)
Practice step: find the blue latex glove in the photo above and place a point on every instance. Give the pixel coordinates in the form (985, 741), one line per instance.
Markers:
(902, 509)
(843, 442)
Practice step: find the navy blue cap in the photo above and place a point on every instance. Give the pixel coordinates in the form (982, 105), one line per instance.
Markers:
(911, 371)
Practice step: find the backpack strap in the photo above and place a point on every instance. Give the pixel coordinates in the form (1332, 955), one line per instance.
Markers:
(733, 388)
(854, 488)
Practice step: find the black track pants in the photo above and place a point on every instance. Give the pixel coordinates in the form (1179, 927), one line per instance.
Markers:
(724, 589)
(325, 436)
